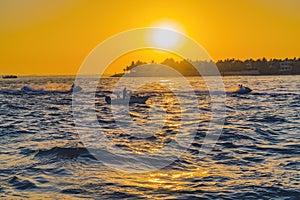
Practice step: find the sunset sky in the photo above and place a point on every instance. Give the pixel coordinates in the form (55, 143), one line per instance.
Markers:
(54, 37)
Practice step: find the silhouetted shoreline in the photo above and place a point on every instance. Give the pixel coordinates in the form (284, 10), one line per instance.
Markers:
(227, 67)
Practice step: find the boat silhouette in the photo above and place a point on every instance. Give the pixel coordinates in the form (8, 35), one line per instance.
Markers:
(130, 100)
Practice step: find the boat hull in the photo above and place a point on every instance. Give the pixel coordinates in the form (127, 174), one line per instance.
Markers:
(132, 100)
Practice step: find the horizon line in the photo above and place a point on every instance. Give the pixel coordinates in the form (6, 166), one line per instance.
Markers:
(237, 59)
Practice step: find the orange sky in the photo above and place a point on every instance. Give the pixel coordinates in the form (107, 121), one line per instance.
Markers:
(54, 37)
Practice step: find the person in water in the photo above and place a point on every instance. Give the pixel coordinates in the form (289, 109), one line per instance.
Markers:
(118, 95)
(130, 93)
(124, 92)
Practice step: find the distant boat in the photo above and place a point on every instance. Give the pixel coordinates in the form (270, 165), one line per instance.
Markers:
(34, 90)
(9, 76)
(243, 90)
(133, 99)
(239, 89)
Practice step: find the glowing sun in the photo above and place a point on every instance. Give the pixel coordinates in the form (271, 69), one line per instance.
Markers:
(165, 38)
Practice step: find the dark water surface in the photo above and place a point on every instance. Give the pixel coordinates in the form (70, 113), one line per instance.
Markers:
(256, 157)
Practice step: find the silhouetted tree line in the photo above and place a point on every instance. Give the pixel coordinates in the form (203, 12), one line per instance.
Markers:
(230, 66)
(262, 66)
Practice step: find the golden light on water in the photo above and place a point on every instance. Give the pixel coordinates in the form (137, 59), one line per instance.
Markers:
(165, 180)
(169, 118)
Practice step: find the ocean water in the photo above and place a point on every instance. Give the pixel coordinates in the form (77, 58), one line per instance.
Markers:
(257, 155)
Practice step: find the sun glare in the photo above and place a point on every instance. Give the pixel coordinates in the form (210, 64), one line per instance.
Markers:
(165, 38)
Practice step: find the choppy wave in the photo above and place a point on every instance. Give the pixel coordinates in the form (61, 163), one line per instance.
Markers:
(39, 88)
(64, 152)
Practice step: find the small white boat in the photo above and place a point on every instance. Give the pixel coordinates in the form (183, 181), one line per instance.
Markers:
(131, 100)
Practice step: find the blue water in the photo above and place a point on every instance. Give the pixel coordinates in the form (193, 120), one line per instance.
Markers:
(256, 157)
